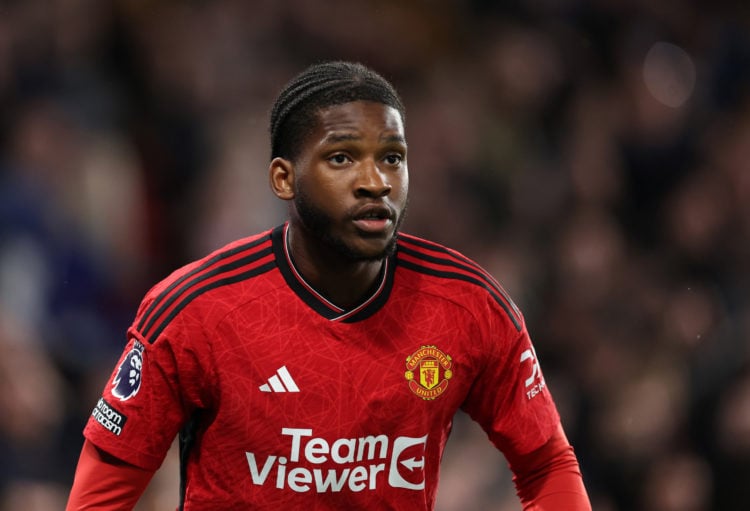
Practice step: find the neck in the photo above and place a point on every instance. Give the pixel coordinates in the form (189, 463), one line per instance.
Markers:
(343, 282)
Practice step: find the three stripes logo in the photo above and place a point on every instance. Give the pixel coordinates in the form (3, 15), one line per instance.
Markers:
(282, 381)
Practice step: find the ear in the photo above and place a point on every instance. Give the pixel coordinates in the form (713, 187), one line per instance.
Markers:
(281, 176)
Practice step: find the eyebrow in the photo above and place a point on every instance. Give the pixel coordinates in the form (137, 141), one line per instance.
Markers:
(399, 139)
(340, 137)
(347, 137)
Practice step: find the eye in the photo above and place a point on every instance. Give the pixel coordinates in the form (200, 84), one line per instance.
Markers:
(393, 159)
(339, 159)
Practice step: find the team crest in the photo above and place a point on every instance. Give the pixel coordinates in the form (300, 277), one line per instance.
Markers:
(428, 371)
(127, 381)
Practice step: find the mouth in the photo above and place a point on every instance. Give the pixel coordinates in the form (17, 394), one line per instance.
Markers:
(373, 218)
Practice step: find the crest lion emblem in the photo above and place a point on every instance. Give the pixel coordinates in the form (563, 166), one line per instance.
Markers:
(127, 381)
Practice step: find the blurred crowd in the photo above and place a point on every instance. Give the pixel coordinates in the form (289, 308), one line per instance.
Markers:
(593, 155)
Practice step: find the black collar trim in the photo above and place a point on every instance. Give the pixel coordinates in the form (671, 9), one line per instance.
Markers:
(318, 302)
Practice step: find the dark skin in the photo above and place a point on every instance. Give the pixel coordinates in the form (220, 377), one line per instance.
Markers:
(347, 193)
(352, 175)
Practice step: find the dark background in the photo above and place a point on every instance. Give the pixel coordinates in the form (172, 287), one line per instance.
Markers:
(594, 156)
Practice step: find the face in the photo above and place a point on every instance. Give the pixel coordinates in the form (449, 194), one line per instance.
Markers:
(349, 185)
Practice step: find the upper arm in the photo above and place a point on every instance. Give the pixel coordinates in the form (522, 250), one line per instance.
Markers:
(510, 398)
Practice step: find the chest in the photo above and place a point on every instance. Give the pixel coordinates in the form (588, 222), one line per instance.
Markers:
(406, 369)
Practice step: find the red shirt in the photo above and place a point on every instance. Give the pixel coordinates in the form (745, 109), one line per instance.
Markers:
(285, 401)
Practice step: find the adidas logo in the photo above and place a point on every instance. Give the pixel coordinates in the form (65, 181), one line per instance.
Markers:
(282, 381)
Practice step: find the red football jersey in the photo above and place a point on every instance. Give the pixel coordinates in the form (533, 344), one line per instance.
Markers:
(283, 400)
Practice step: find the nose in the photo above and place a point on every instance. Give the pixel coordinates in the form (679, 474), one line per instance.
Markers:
(372, 181)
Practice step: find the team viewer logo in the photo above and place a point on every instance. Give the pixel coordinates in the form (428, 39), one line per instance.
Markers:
(428, 371)
(316, 464)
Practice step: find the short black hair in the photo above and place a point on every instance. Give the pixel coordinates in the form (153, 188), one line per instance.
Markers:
(320, 86)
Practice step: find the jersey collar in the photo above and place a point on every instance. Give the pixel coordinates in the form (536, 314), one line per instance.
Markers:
(318, 302)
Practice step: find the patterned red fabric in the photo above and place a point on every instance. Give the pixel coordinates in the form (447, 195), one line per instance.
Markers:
(549, 478)
(293, 403)
(104, 483)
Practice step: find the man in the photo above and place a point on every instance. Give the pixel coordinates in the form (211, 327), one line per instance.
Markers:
(318, 365)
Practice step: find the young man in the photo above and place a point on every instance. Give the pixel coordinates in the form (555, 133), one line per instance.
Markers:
(318, 365)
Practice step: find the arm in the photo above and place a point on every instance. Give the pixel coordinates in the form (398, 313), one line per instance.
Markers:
(549, 478)
(105, 483)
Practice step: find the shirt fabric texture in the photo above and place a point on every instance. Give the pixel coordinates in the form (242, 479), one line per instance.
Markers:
(283, 400)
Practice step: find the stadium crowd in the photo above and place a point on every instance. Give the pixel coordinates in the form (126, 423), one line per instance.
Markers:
(594, 156)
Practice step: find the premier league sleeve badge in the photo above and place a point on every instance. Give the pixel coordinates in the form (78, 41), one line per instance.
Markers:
(127, 381)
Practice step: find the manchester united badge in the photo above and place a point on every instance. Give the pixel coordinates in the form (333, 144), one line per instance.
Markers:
(428, 370)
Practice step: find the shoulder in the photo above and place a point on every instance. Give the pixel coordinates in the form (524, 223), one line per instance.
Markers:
(237, 262)
(243, 257)
(452, 271)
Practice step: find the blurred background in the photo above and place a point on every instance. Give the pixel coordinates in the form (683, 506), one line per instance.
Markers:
(594, 156)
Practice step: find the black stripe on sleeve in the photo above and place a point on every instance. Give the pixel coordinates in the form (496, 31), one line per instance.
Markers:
(151, 338)
(166, 303)
(468, 264)
(482, 281)
(145, 324)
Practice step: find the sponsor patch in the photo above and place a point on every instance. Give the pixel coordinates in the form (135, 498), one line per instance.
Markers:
(112, 420)
(351, 464)
(535, 382)
(127, 381)
(428, 371)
